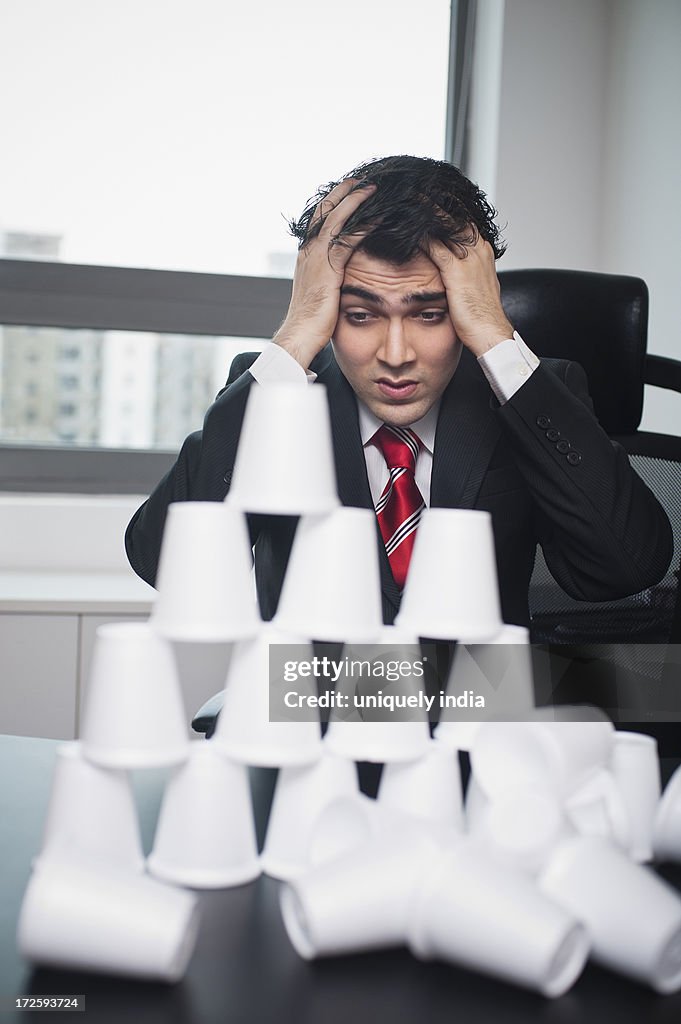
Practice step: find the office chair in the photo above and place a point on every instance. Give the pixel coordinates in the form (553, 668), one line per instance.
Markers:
(617, 649)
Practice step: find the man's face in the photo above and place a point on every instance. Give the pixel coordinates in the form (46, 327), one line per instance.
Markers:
(394, 340)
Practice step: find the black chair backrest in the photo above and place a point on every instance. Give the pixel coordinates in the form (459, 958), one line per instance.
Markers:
(599, 320)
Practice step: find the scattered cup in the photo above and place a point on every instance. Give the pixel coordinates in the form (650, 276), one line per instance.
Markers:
(76, 916)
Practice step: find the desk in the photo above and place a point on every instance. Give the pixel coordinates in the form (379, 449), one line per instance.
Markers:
(244, 970)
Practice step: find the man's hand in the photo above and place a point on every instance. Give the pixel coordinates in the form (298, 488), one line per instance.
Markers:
(473, 294)
(317, 280)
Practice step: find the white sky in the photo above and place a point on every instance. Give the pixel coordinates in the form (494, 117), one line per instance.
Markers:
(175, 133)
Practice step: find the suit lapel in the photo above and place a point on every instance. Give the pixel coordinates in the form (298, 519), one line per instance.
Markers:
(351, 470)
(465, 438)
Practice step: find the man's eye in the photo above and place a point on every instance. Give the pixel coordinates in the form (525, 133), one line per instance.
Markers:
(431, 316)
(358, 317)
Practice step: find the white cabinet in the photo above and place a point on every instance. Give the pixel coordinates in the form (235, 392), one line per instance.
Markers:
(47, 630)
(38, 675)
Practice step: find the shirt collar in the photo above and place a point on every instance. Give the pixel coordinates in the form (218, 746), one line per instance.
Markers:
(425, 427)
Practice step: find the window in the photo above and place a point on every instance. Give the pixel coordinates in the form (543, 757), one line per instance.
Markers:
(182, 135)
(191, 160)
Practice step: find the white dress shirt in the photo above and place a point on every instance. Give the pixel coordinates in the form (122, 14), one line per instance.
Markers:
(507, 367)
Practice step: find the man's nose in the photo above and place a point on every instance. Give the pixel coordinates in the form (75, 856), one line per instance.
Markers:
(396, 348)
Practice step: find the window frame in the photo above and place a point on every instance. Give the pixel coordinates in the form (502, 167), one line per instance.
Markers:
(68, 295)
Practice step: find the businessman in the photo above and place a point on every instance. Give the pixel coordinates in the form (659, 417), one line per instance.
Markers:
(435, 401)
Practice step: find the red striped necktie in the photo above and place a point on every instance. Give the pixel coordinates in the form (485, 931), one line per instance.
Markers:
(400, 506)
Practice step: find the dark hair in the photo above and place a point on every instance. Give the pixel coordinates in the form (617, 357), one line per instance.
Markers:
(417, 200)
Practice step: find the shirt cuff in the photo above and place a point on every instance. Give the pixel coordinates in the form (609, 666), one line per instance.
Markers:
(508, 366)
(274, 365)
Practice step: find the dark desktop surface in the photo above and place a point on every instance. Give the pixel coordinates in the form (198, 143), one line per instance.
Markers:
(244, 969)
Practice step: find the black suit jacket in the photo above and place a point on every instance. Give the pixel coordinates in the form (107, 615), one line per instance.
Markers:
(603, 533)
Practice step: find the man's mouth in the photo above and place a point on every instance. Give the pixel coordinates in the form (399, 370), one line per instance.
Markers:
(396, 388)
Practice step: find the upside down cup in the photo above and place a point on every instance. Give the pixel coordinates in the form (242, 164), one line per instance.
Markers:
(285, 463)
(563, 754)
(347, 824)
(256, 725)
(451, 590)
(205, 837)
(301, 795)
(91, 813)
(332, 588)
(134, 712)
(429, 787)
(205, 587)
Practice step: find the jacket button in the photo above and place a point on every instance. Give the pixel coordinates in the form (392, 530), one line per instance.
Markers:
(543, 422)
(563, 447)
(553, 434)
(574, 458)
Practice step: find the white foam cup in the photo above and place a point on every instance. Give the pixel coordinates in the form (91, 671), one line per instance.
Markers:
(384, 712)
(667, 824)
(359, 903)
(598, 808)
(76, 916)
(301, 794)
(564, 754)
(256, 726)
(429, 788)
(346, 824)
(632, 915)
(204, 583)
(134, 712)
(285, 463)
(205, 837)
(636, 769)
(499, 672)
(479, 914)
(451, 589)
(91, 812)
(332, 588)
(379, 742)
(521, 827)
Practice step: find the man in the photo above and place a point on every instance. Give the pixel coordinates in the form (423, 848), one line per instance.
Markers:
(397, 267)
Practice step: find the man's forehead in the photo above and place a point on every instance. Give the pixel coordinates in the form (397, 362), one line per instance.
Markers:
(392, 280)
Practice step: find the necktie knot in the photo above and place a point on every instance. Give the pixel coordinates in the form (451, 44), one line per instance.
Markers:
(399, 446)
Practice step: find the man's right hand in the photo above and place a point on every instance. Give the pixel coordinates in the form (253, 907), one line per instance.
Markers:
(319, 273)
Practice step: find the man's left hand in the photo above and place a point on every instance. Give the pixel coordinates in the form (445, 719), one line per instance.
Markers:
(473, 294)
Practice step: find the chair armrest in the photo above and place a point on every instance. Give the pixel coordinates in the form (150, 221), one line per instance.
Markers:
(662, 372)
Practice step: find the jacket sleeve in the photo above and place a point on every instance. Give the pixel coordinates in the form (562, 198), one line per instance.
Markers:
(201, 472)
(603, 533)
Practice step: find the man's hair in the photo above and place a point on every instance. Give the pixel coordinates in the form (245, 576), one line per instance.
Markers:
(417, 200)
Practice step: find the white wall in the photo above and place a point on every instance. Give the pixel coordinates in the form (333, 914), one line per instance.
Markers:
(589, 150)
(641, 222)
(552, 118)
